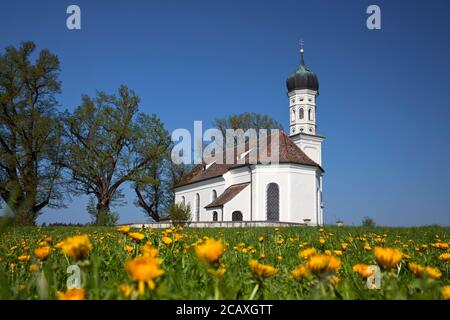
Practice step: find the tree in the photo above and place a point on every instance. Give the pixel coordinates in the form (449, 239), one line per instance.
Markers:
(108, 144)
(246, 121)
(180, 212)
(30, 135)
(152, 187)
(368, 222)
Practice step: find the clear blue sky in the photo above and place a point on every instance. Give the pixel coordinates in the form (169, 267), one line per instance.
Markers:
(384, 101)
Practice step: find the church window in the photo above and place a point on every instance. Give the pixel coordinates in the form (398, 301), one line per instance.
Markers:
(213, 195)
(302, 113)
(293, 115)
(183, 200)
(197, 207)
(214, 217)
(273, 202)
(310, 114)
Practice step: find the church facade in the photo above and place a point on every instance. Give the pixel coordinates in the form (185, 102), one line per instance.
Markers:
(287, 191)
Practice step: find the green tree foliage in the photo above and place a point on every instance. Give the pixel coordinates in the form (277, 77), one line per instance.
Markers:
(109, 143)
(180, 212)
(30, 136)
(152, 187)
(368, 222)
(246, 121)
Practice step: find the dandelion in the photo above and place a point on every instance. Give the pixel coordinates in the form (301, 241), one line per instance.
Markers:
(42, 253)
(71, 294)
(137, 236)
(446, 292)
(421, 271)
(167, 240)
(262, 270)
(210, 251)
(321, 263)
(322, 240)
(128, 248)
(363, 270)
(12, 266)
(23, 258)
(219, 272)
(338, 253)
(367, 247)
(149, 251)
(76, 247)
(388, 257)
(34, 267)
(124, 229)
(261, 238)
(300, 272)
(345, 246)
(444, 257)
(126, 290)
(144, 270)
(440, 245)
(307, 253)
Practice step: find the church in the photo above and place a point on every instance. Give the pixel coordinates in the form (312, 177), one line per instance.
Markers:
(289, 191)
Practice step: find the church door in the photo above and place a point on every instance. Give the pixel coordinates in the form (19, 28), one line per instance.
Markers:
(236, 216)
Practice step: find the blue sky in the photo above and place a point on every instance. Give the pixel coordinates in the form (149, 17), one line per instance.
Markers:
(384, 101)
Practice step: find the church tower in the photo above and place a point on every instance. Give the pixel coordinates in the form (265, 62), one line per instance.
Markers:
(303, 90)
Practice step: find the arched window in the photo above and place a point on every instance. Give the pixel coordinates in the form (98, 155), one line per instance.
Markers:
(310, 114)
(273, 202)
(215, 216)
(302, 113)
(197, 207)
(293, 115)
(183, 200)
(236, 216)
(213, 195)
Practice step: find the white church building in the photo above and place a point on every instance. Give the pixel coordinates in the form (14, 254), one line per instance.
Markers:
(288, 191)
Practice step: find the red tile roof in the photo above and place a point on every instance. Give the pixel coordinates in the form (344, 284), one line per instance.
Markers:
(227, 195)
(288, 151)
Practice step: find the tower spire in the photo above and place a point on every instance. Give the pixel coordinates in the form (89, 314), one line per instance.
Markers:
(302, 51)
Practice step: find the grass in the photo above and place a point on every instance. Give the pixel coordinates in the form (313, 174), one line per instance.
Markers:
(187, 278)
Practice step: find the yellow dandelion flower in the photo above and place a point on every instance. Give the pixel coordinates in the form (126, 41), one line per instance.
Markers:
(144, 270)
(261, 238)
(300, 272)
(367, 247)
(128, 248)
(210, 251)
(322, 240)
(126, 290)
(23, 258)
(71, 294)
(149, 251)
(322, 263)
(363, 270)
(124, 229)
(446, 292)
(338, 253)
(34, 267)
(307, 253)
(167, 240)
(77, 246)
(388, 258)
(345, 246)
(444, 257)
(137, 236)
(42, 253)
(262, 270)
(219, 272)
(421, 271)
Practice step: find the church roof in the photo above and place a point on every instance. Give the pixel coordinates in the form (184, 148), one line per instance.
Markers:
(227, 195)
(289, 152)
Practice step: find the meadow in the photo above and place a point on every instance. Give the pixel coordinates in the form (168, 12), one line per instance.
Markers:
(230, 263)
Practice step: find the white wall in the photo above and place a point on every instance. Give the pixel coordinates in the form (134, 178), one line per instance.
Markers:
(204, 189)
